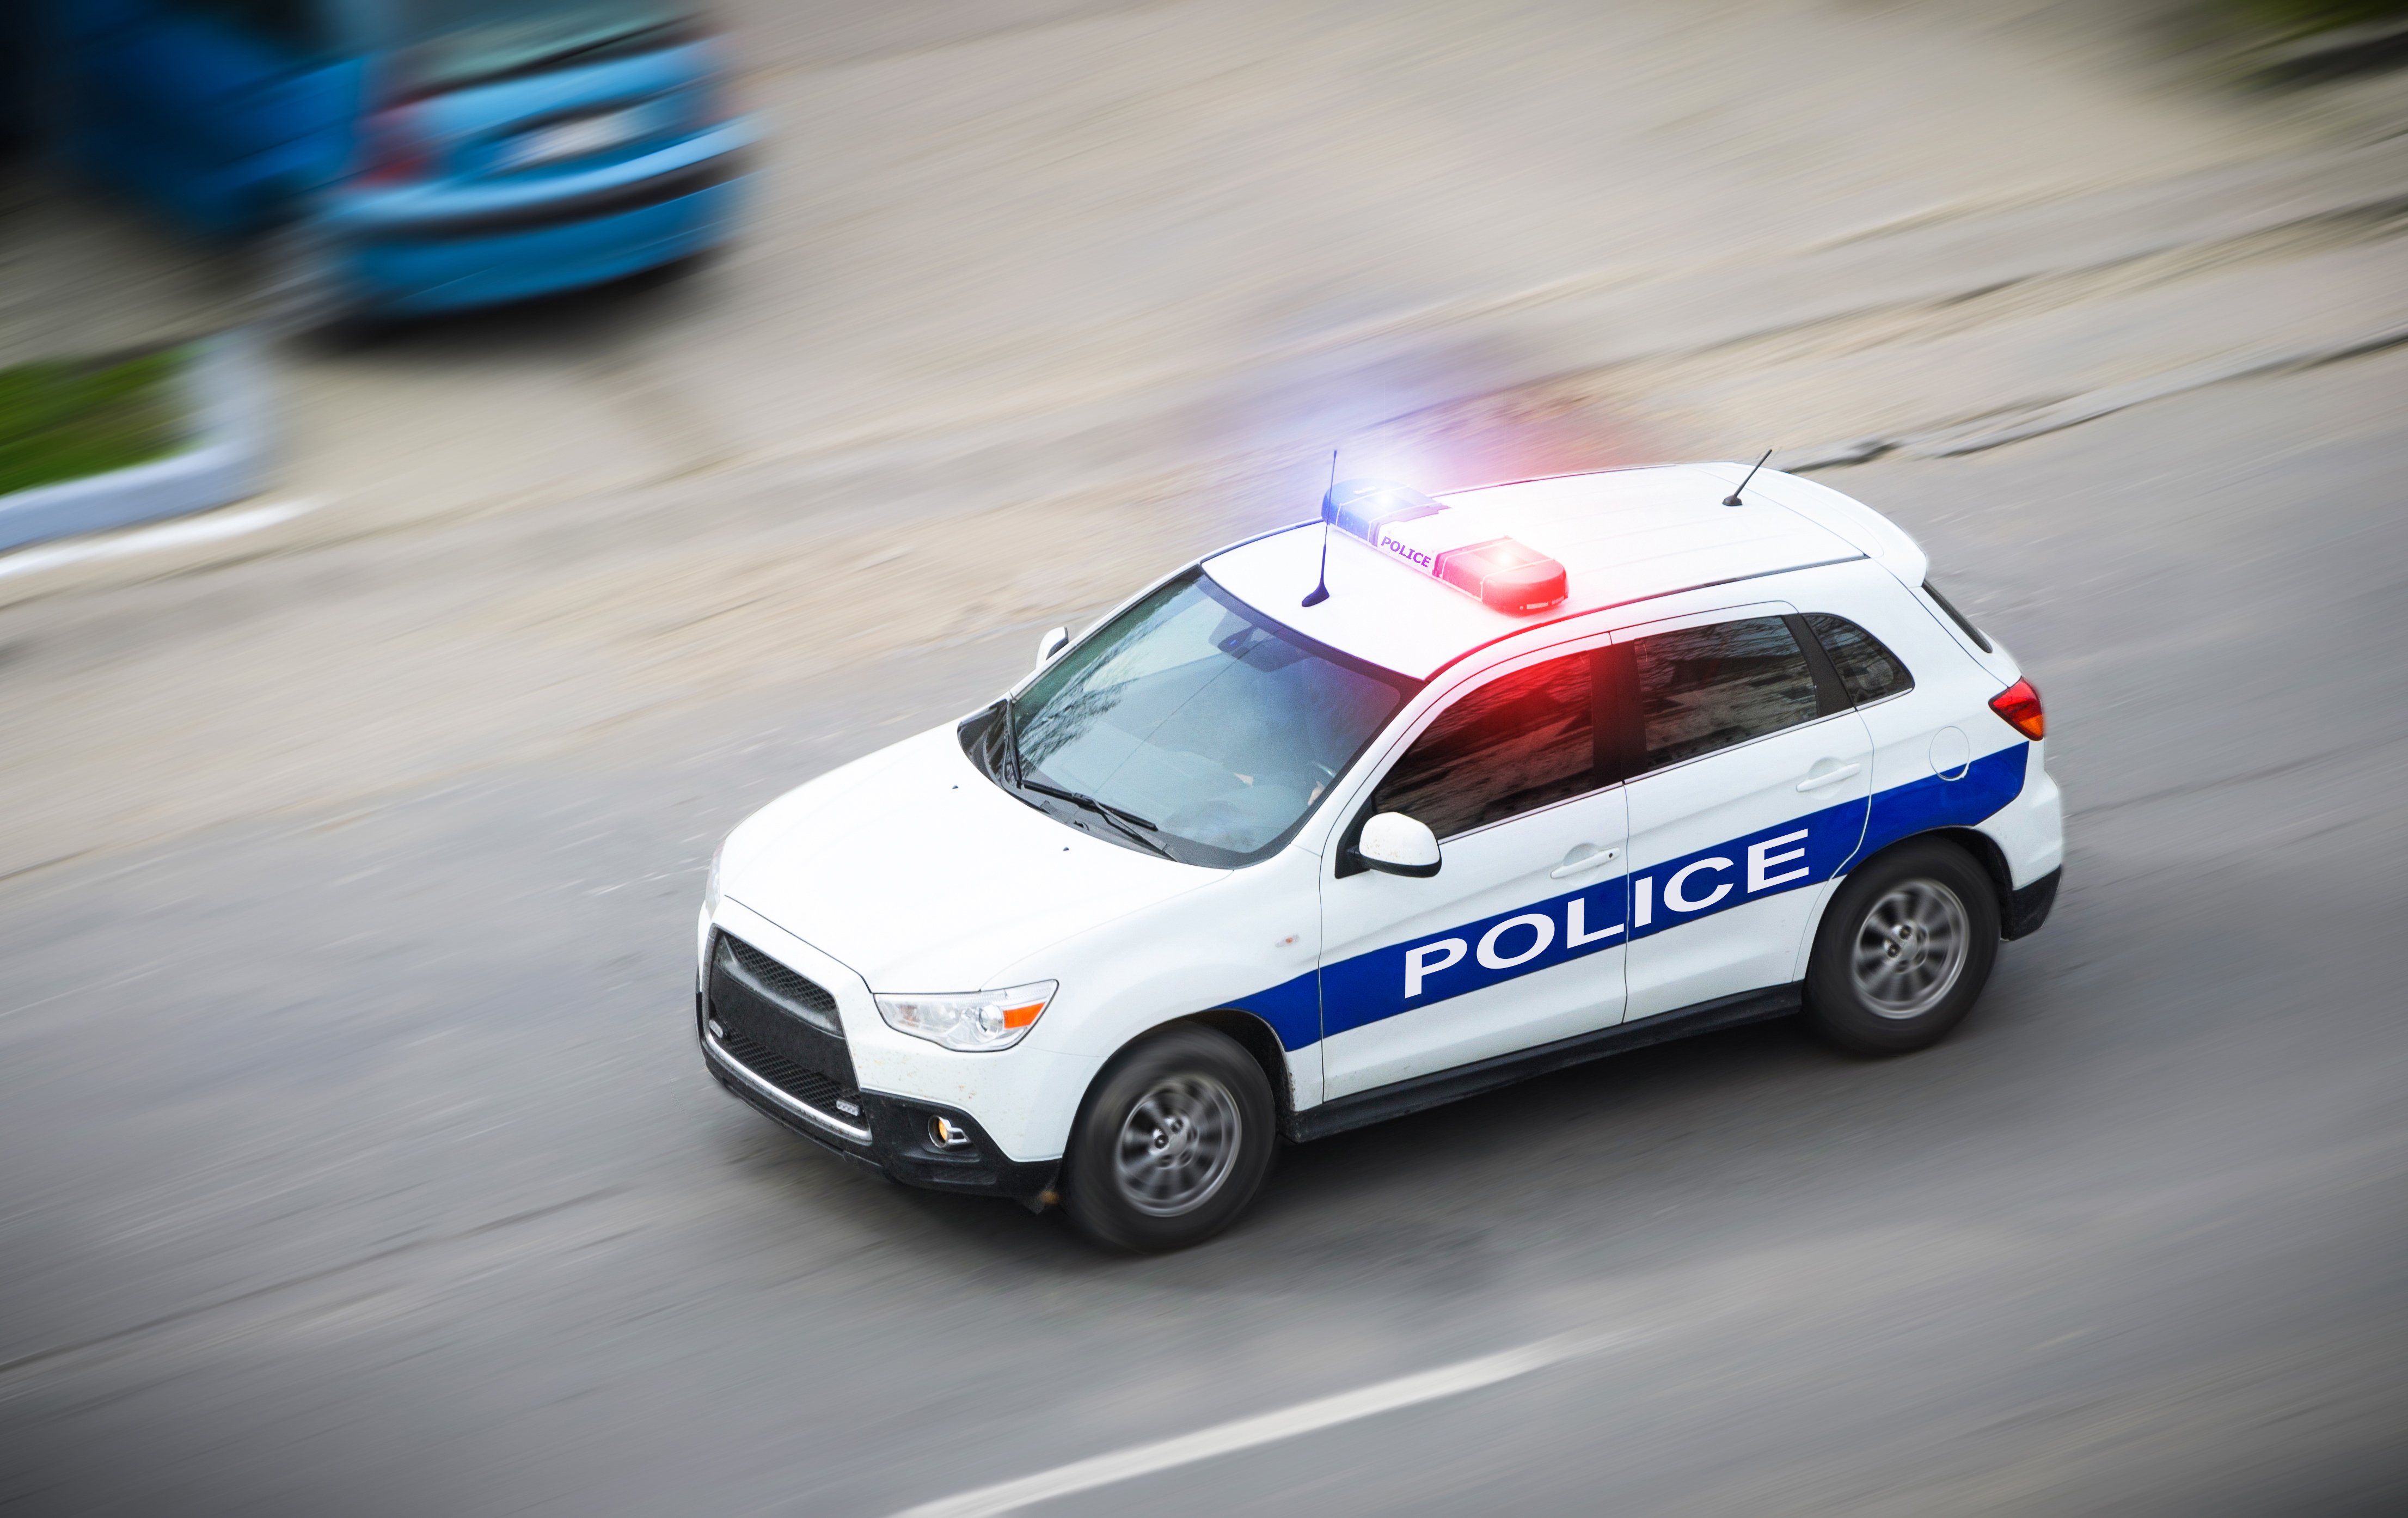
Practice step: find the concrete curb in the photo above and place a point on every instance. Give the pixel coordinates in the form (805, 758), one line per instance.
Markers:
(1952, 442)
(227, 388)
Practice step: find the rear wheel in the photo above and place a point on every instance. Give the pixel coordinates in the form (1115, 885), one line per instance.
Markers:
(1172, 1143)
(1903, 950)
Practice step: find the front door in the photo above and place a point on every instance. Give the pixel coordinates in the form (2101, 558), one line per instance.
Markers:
(1751, 772)
(1518, 940)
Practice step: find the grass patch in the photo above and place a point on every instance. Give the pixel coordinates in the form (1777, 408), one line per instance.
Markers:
(64, 420)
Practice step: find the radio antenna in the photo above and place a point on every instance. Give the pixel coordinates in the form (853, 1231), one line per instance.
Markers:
(1321, 589)
(1732, 499)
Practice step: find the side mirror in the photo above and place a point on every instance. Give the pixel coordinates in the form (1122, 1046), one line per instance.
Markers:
(1395, 844)
(1051, 644)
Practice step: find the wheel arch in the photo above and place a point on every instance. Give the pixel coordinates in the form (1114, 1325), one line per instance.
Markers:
(1983, 849)
(1250, 1032)
(1261, 1042)
(1979, 846)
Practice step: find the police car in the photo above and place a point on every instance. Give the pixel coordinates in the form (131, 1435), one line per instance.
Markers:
(1380, 810)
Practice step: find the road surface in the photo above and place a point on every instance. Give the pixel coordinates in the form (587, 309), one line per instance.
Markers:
(355, 1152)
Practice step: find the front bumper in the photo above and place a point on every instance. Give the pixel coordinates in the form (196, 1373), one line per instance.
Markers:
(889, 1133)
(2027, 908)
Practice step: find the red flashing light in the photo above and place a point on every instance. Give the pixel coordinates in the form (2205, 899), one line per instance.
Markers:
(1453, 547)
(1503, 574)
(2018, 707)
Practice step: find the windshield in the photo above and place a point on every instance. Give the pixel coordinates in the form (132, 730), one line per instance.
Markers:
(455, 42)
(1195, 715)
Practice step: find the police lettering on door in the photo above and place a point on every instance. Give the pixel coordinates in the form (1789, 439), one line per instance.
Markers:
(1422, 971)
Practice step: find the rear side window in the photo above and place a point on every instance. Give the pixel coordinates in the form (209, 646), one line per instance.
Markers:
(1517, 743)
(1707, 688)
(1870, 670)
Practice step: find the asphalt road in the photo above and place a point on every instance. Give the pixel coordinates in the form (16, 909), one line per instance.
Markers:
(361, 1160)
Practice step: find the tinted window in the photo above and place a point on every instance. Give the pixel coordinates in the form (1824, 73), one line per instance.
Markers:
(1869, 671)
(1707, 688)
(1515, 743)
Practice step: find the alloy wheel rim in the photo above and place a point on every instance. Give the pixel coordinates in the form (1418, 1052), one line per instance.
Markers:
(1178, 1145)
(1911, 949)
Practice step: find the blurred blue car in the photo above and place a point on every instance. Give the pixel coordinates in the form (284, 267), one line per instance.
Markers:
(411, 156)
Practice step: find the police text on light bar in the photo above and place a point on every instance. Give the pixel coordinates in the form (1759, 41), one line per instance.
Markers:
(1453, 546)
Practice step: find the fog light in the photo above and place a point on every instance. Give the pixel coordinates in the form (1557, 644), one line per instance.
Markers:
(947, 1134)
(716, 1031)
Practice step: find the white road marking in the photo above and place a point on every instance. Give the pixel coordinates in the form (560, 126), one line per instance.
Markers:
(208, 528)
(1263, 1428)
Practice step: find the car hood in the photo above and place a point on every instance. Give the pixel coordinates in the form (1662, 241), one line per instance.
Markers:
(921, 874)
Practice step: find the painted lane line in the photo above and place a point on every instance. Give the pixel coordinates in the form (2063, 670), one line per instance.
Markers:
(1264, 1429)
(209, 528)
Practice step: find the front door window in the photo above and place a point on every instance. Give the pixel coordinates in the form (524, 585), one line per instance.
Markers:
(1518, 940)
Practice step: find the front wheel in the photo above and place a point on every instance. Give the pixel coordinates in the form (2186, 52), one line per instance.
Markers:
(1904, 951)
(1172, 1144)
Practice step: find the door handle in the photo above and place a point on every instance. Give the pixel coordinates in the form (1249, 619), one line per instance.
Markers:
(1829, 777)
(1573, 866)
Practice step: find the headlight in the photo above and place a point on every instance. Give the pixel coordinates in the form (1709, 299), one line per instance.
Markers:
(974, 1020)
(711, 882)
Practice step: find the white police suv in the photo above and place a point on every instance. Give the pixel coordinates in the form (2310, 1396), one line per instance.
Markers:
(1377, 812)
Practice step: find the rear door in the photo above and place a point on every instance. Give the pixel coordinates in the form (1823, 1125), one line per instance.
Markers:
(1518, 940)
(1751, 770)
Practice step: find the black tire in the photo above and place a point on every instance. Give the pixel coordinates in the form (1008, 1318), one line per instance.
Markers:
(1172, 1142)
(1904, 951)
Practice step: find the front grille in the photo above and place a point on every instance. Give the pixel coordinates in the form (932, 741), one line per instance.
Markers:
(808, 995)
(784, 1027)
(809, 1087)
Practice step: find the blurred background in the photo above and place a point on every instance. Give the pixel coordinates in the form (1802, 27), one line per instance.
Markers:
(457, 458)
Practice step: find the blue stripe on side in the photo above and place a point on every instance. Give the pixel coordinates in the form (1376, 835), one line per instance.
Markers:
(1802, 852)
(1524, 942)
(1292, 1007)
(1919, 806)
(1795, 855)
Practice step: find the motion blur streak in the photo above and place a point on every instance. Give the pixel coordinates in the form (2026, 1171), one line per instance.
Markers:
(355, 1152)
(214, 528)
(1264, 1429)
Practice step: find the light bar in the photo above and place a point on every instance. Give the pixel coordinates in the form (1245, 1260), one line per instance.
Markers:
(1451, 546)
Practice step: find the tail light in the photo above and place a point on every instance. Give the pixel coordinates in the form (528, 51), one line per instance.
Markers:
(2018, 705)
(394, 149)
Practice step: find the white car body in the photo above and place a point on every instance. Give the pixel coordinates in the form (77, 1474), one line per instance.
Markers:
(1679, 899)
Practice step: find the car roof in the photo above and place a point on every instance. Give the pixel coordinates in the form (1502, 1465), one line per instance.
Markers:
(1622, 535)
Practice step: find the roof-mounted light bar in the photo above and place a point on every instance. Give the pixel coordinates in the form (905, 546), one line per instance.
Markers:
(1451, 546)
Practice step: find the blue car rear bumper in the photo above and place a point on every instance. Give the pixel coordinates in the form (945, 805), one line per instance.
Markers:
(441, 248)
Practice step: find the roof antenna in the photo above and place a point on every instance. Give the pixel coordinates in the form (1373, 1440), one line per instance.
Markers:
(1321, 591)
(1732, 499)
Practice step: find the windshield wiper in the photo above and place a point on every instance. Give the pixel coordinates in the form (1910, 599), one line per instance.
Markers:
(1114, 815)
